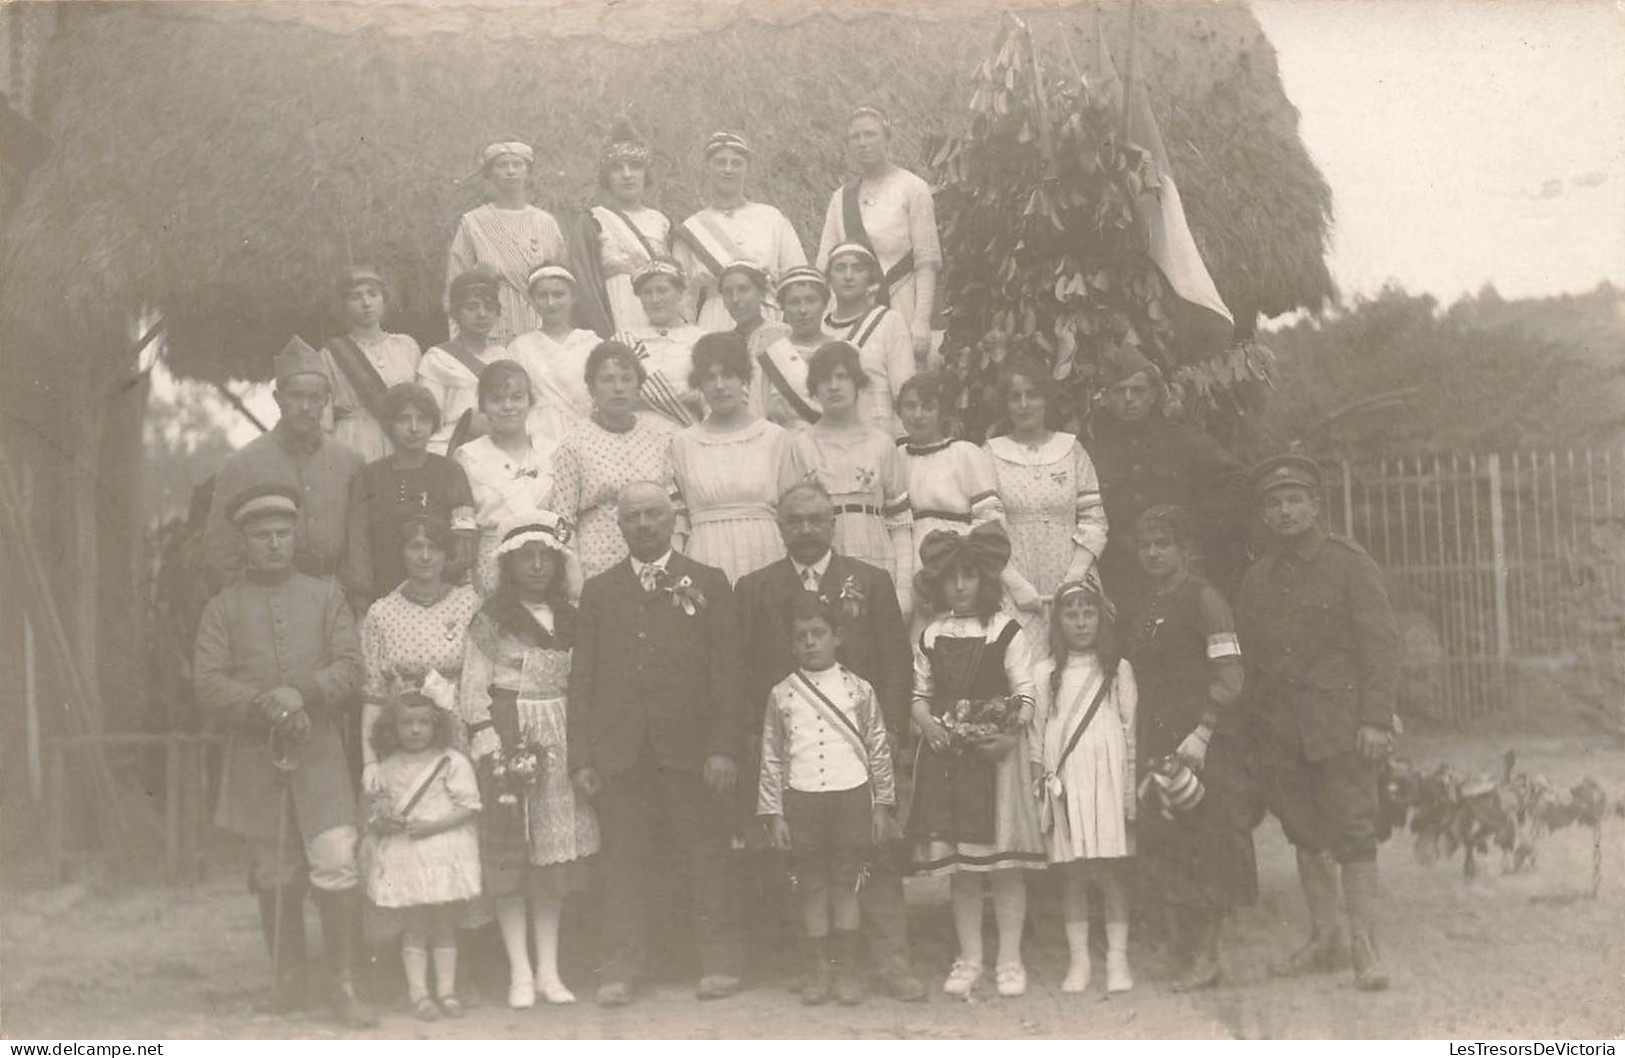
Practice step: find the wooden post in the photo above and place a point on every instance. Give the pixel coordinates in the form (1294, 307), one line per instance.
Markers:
(56, 813)
(31, 715)
(1503, 617)
(172, 809)
(1348, 500)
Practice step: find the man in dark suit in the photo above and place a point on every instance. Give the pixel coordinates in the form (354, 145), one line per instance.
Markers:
(654, 737)
(874, 644)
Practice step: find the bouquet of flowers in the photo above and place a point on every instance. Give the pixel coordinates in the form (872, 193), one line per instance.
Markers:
(514, 772)
(974, 719)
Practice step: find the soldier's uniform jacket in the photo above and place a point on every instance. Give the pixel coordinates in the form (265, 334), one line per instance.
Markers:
(255, 637)
(1145, 464)
(1320, 644)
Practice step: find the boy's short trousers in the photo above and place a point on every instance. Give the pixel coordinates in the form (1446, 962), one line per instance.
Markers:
(830, 836)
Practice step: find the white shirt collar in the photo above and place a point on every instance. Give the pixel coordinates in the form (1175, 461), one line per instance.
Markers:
(659, 563)
(820, 567)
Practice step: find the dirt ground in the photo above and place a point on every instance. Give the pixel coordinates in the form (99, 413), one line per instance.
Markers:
(1524, 955)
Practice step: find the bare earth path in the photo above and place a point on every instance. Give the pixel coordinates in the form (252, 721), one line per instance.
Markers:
(1525, 955)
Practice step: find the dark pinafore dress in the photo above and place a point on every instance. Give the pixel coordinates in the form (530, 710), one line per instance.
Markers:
(1202, 858)
(969, 812)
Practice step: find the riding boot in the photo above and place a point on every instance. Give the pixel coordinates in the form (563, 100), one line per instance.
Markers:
(817, 986)
(848, 980)
(1324, 951)
(1360, 892)
(285, 942)
(1203, 925)
(341, 940)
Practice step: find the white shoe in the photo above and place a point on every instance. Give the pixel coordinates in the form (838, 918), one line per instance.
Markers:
(554, 992)
(1077, 976)
(1118, 978)
(962, 978)
(1011, 978)
(522, 993)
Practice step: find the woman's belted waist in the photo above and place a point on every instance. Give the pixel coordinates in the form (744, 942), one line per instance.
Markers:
(729, 512)
(943, 516)
(858, 508)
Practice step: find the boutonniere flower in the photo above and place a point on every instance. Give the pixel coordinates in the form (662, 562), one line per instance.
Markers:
(851, 598)
(686, 596)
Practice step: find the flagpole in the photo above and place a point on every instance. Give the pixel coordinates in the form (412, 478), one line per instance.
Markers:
(1133, 61)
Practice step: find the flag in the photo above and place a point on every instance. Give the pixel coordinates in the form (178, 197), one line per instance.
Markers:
(1202, 322)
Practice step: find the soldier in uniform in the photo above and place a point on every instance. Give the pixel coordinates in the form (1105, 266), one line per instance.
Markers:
(1323, 659)
(277, 662)
(1145, 460)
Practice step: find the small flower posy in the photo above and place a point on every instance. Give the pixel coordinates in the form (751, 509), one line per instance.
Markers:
(972, 719)
(515, 772)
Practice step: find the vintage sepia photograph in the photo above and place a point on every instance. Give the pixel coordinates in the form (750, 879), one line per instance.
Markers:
(860, 520)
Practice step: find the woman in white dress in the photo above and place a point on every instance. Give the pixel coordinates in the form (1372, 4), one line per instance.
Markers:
(879, 333)
(858, 466)
(509, 469)
(555, 354)
(666, 345)
(950, 481)
(607, 452)
(363, 363)
(1051, 496)
(727, 466)
(621, 234)
(780, 391)
(451, 370)
(730, 228)
(509, 234)
(889, 210)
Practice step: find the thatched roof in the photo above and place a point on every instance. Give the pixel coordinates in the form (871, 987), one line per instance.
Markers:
(220, 161)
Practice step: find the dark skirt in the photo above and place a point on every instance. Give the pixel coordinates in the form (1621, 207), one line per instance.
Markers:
(1204, 857)
(955, 797)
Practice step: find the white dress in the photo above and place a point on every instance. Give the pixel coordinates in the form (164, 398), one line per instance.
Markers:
(591, 468)
(403, 871)
(950, 486)
(789, 358)
(558, 378)
(729, 483)
(514, 242)
(1096, 778)
(395, 358)
(621, 253)
(755, 232)
(899, 215)
(1052, 506)
(886, 351)
(455, 388)
(503, 486)
(401, 641)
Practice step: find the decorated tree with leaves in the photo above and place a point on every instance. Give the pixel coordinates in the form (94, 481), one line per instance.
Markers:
(1047, 254)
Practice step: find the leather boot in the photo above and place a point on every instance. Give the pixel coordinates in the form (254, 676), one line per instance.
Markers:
(285, 943)
(817, 985)
(1324, 951)
(1202, 927)
(341, 940)
(844, 960)
(1360, 892)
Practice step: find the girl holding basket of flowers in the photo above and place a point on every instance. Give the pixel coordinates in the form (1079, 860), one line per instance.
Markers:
(534, 836)
(973, 815)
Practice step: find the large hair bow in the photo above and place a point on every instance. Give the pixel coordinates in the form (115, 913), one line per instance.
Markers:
(985, 549)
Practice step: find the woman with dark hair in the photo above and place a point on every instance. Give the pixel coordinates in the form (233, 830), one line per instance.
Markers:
(858, 466)
(950, 481)
(889, 210)
(511, 468)
(730, 228)
(781, 392)
(879, 332)
(416, 628)
(665, 346)
(554, 354)
(727, 466)
(622, 233)
(744, 286)
(451, 370)
(515, 671)
(1051, 494)
(508, 234)
(408, 482)
(612, 448)
(364, 362)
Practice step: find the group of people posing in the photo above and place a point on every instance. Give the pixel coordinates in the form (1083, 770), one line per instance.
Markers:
(507, 616)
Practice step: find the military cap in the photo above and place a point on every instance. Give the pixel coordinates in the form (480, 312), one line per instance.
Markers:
(1288, 468)
(257, 501)
(1125, 362)
(298, 358)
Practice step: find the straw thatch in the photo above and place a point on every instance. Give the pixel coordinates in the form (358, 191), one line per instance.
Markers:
(218, 162)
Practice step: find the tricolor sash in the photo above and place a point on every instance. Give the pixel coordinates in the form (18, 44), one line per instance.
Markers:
(860, 330)
(363, 377)
(421, 786)
(614, 220)
(513, 263)
(830, 711)
(852, 223)
(776, 377)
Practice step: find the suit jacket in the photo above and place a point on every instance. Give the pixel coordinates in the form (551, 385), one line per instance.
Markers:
(874, 645)
(644, 669)
(1320, 644)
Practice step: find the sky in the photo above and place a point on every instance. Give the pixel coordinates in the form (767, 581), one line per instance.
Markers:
(1466, 142)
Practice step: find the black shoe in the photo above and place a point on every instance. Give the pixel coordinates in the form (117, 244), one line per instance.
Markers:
(341, 938)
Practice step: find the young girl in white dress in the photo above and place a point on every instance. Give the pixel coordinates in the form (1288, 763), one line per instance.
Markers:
(425, 855)
(554, 355)
(1085, 753)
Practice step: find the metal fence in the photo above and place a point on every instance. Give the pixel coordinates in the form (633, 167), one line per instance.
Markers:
(1507, 569)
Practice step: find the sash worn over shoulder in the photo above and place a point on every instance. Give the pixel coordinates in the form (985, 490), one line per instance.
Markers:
(363, 377)
(616, 221)
(711, 245)
(826, 708)
(781, 382)
(852, 222)
(860, 330)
